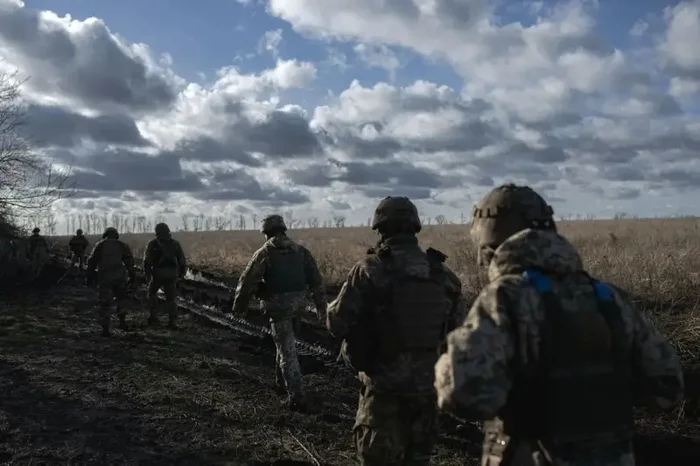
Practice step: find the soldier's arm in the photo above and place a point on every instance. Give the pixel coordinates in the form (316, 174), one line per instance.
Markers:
(95, 257)
(128, 258)
(314, 280)
(148, 258)
(473, 377)
(344, 311)
(181, 259)
(657, 367)
(249, 281)
(458, 312)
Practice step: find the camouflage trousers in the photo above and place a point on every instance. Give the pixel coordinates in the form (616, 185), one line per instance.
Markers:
(287, 366)
(395, 429)
(169, 287)
(111, 293)
(79, 258)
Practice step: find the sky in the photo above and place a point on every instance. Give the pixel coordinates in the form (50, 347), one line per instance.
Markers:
(323, 107)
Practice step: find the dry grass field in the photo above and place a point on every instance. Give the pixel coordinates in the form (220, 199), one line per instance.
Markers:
(205, 396)
(658, 261)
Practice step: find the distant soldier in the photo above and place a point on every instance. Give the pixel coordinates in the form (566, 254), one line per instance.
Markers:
(111, 266)
(38, 252)
(279, 273)
(78, 245)
(163, 263)
(552, 359)
(394, 312)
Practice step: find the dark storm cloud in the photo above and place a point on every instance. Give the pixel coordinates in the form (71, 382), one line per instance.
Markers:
(126, 171)
(86, 62)
(54, 126)
(625, 194)
(238, 185)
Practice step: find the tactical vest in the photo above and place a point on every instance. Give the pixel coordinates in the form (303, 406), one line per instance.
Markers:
(413, 316)
(285, 273)
(36, 242)
(579, 395)
(112, 255)
(164, 254)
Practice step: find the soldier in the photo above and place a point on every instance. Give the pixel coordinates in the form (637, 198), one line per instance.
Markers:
(279, 273)
(38, 251)
(163, 263)
(552, 359)
(115, 272)
(78, 245)
(393, 313)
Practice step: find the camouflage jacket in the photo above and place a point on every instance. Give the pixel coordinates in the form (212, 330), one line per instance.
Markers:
(153, 246)
(112, 258)
(78, 244)
(279, 305)
(475, 375)
(408, 373)
(37, 242)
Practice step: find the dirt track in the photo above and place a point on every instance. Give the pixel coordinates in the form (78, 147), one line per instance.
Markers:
(202, 395)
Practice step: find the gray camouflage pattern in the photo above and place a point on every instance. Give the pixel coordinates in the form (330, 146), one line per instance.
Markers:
(474, 377)
(283, 309)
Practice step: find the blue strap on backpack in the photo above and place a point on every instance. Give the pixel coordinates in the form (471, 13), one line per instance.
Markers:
(543, 284)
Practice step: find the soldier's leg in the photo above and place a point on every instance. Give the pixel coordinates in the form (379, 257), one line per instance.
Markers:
(120, 294)
(379, 433)
(104, 305)
(152, 298)
(170, 290)
(287, 358)
(423, 428)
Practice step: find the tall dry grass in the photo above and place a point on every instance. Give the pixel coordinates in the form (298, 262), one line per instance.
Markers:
(658, 261)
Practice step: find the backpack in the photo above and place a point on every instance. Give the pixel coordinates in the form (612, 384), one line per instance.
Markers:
(409, 315)
(580, 392)
(164, 254)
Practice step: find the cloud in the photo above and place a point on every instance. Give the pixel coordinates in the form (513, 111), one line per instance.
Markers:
(270, 42)
(82, 63)
(535, 94)
(378, 56)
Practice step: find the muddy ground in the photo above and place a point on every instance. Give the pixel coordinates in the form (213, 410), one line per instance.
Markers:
(200, 395)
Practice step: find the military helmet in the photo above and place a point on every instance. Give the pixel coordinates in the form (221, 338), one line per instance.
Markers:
(110, 232)
(162, 229)
(397, 210)
(506, 210)
(36, 230)
(272, 222)
(79, 232)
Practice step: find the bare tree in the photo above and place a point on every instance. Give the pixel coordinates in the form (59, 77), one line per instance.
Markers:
(339, 221)
(220, 223)
(208, 222)
(440, 219)
(50, 223)
(254, 218)
(185, 222)
(28, 183)
(312, 222)
(197, 222)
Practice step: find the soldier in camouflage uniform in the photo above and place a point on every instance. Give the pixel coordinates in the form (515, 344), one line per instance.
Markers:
(38, 251)
(78, 245)
(552, 359)
(280, 273)
(164, 264)
(393, 313)
(111, 265)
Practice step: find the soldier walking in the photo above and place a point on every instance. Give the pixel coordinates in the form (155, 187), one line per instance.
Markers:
(280, 272)
(38, 252)
(111, 267)
(164, 263)
(394, 312)
(550, 358)
(78, 245)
